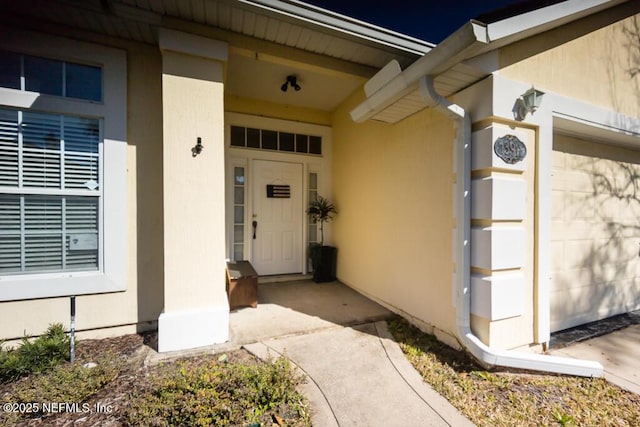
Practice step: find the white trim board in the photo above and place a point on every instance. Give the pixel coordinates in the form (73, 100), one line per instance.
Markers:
(244, 157)
(112, 276)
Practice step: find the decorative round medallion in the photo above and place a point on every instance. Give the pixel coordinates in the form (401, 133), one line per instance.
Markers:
(510, 149)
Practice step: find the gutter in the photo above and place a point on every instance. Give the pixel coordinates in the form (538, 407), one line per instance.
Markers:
(486, 355)
(318, 16)
(390, 86)
(469, 38)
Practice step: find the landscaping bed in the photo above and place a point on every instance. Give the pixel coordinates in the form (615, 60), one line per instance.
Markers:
(514, 399)
(110, 385)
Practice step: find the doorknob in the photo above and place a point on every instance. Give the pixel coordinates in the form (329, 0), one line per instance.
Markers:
(255, 225)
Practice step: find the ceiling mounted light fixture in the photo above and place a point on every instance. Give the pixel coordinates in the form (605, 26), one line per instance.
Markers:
(291, 81)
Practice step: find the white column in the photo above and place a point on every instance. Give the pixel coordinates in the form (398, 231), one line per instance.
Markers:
(499, 241)
(196, 311)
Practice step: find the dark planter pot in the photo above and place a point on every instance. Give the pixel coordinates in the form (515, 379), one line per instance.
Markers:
(325, 261)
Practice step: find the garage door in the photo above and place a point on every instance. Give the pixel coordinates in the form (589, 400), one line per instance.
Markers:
(595, 238)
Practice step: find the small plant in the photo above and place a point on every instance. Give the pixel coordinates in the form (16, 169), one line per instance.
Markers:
(68, 382)
(321, 210)
(563, 419)
(38, 355)
(221, 394)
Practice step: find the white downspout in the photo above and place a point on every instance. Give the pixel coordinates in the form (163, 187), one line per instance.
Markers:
(462, 206)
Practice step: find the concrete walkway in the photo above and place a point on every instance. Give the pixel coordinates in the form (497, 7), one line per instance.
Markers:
(356, 373)
(618, 352)
(358, 376)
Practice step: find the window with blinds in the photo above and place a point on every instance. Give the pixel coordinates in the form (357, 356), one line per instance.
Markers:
(49, 192)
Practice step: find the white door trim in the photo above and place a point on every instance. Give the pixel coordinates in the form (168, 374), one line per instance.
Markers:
(244, 157)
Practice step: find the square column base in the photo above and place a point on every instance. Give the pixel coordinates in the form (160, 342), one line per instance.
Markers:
(183, 330)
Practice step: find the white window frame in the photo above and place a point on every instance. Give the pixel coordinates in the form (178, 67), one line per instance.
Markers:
(112, 112)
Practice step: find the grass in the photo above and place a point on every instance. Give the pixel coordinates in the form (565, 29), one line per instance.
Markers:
(509, 399)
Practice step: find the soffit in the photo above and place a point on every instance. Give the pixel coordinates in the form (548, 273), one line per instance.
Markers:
(448, 83)
(260, 77)
(265, 45)
(138, 20)
(464, 74)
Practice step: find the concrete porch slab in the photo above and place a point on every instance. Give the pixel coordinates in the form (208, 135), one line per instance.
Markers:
(301, 306)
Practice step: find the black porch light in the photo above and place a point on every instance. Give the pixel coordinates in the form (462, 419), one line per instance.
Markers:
(291, 81)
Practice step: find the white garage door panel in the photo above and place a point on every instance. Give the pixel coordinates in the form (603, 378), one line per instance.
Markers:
(595, 230)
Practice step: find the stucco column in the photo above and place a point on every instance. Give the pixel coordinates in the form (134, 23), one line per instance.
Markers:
(196, 311)
(502, 200)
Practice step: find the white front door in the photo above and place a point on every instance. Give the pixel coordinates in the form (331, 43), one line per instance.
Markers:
(278, 217)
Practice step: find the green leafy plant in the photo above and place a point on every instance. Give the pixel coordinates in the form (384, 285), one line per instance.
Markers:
(563, 419)
(38, 355)
(67, 382)
(220, 394)
(321, 210)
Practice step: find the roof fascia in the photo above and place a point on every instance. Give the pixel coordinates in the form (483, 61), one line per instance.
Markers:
(546, 18)
(343, 24)
(486, 37)
(463, 43)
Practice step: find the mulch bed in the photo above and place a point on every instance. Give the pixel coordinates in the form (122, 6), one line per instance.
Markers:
(115, 395)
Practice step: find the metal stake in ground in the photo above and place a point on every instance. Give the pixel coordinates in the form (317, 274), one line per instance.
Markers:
(72, 338)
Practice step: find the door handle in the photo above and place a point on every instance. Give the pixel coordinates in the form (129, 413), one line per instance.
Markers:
(255, 225)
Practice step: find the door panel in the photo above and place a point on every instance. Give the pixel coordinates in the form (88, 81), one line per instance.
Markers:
(277, 248)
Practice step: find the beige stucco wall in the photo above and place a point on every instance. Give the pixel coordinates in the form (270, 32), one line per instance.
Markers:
(595, 68)
(393, 190)
(140, 305)
(193, 185)
(238, 104)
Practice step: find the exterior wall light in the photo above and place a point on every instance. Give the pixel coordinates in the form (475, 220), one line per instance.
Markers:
(528, 103)
(291, 81)
(197, 149)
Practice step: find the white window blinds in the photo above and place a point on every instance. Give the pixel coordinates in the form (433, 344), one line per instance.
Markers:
(49, 192)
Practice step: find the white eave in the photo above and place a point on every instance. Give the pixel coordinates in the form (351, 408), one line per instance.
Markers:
(336, 22)
(400, 97)
(288, 23)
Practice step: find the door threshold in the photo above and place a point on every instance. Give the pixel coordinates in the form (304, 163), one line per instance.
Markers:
(284, 278)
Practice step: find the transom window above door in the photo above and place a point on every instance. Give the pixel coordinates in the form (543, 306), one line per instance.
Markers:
(263, 139)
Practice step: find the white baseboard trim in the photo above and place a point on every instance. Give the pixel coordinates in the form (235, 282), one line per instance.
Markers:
(182, 330)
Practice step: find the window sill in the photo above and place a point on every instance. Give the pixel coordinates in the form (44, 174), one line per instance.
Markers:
(27, 287)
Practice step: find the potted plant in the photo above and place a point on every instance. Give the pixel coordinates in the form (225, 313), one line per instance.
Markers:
(323, 258)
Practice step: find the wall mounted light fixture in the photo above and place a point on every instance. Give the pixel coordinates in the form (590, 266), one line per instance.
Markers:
(291, 81)
(528, 103)
(197, 149)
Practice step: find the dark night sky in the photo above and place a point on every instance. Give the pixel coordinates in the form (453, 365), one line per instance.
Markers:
(429, 20)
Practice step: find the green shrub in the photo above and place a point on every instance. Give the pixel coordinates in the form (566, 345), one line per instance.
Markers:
(68, 382)
(221, 394)
(36, 355)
